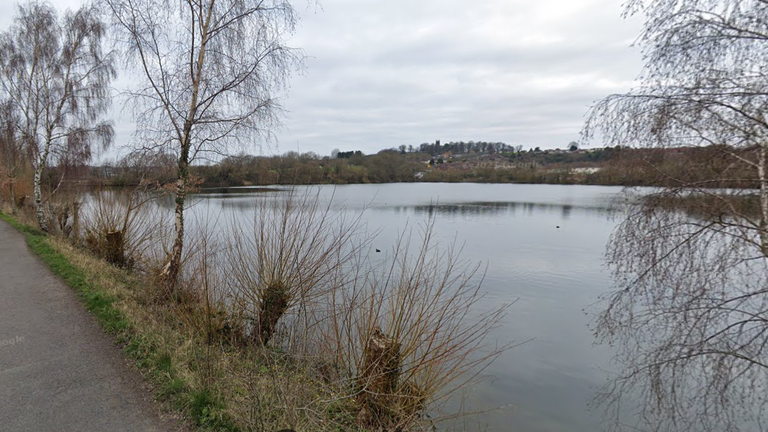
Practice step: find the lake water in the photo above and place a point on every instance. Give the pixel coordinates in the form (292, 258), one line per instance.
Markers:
(543, 245)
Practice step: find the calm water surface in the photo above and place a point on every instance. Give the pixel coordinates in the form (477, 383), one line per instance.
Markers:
(543, 245)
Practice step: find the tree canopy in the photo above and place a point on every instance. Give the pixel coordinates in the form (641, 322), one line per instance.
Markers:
(56, 77)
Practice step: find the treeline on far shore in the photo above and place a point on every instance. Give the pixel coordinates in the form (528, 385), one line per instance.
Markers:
(624, 166)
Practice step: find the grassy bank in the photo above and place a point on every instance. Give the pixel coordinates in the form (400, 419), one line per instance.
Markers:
(170, 355)
(192, 363)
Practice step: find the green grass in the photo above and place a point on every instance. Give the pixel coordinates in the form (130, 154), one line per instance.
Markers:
(200, 405)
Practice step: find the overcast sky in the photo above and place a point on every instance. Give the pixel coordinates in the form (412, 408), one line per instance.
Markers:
(382, 73)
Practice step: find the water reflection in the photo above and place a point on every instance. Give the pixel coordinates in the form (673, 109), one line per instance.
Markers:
(457, 209)
(227, 192)
(688, 315)
(501, 208)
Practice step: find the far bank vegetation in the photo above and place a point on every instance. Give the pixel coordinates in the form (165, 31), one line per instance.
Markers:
(478, 162)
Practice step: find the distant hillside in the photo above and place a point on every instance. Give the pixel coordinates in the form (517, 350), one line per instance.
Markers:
(474, 161)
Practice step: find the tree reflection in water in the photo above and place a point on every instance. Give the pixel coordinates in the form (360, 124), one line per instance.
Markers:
(472, 209)
(689, 314)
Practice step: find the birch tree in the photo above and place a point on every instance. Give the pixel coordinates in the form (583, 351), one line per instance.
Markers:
(210, 72)
(56, 76)
(690, 313)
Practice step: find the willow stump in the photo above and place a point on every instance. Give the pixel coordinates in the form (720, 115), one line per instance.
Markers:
(115, 249)
(379, 378)
(274, 303)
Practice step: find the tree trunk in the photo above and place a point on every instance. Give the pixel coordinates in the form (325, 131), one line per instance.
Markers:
(41, 219)
(42, 161)
(763, 201)
(273, 306)
(76, 224)
(173, 264)
(115, 252)
(13, 195)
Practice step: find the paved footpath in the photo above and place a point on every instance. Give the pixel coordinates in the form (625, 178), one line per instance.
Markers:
(58, 370)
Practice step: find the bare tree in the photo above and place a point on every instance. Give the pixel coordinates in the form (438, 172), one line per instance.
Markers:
(55, 74)
(690, 313)
(211, 70)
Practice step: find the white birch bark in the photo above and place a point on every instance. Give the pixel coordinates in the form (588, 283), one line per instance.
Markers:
(37, 184)
(763, 200)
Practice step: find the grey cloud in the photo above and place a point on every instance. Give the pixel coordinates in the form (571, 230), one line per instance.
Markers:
(381, 73)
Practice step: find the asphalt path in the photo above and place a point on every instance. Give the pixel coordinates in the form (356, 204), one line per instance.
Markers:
(58, 370)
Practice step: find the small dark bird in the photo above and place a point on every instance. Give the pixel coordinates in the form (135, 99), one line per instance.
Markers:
(558, 226)
(378, 250)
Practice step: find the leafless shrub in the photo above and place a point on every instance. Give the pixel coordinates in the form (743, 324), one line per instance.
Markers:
(121, 226)
(286, 258)
(205, 303)
(406, 336)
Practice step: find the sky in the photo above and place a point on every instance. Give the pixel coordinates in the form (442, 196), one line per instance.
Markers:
(381, 73)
